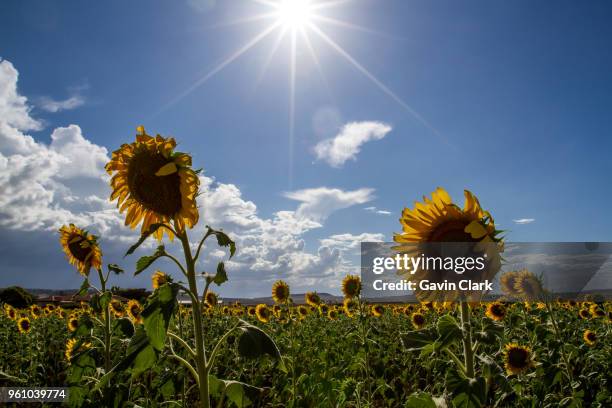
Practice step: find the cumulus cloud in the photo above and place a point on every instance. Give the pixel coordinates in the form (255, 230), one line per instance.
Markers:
(318, 203)
(51, 105)
(350, 241)
(347, 144)
(522, 221)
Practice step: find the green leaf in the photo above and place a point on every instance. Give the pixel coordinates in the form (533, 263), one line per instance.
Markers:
(105, 300)
(467, 392)
(115, 268)
(140, 355)
(84, 327)
(83, 289)
(146, 261)
(239, 393)
(221, 275)
(152, 229)
(448, 330)
(420, 399)
(416, 339)
(222, 239)
(158, 312)
(254, 342)
(124, 326)
(81, 364)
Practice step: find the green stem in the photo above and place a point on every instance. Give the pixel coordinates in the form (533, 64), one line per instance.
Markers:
(107, 327)
(468, 352)
(197, 323)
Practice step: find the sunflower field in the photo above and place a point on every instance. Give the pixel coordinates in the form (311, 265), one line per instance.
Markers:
(526, 349)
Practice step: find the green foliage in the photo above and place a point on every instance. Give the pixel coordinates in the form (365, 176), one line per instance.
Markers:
(16, 297)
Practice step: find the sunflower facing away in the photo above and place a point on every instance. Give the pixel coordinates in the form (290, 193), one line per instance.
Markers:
(280, 291)
(81, 248)
(211, 298)
(350, 306)
(71, 348)
(312, 298)
(159, 278)
(24, 325)
(438, 220)
(351, 286)
(263, 313)
(496, 311)
(154, 184)
(517, 358)
(589, 337)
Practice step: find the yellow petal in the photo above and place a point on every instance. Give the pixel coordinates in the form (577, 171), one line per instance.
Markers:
(476, 230)
(167, 169)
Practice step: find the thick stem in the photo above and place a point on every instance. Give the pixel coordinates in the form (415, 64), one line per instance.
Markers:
(107, 327)
(468, 352)
(196, 311)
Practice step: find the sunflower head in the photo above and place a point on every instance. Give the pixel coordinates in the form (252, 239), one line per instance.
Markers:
(527, 285)
(154, 184)
(24, 325)
(332, 314)
(211, 298)
(323, 309)
(263, 313)
(439, 220)
(134, 311)
(351, 286)
(160, 278)
(312, 298)
(496, 311)
(280, 291)
(349, 306)
(418, 320)
(10, 312)
(251, 311)
(117, 308)
(507, 282)
(590, 338)
(35, 311)
(73, 323)
(73, 347)
(517, 359)
(584, 314)
(302, 311)
(81, 248)
(378, 310)
(596, 311)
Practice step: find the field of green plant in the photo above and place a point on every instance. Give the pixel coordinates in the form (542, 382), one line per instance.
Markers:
(327, 359)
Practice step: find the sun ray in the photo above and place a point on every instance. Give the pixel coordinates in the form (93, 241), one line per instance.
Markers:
(292, 105)
(375, 80)
(317, 63)
(220, 67)
(268, 59)
(244, 20)
(344, 24)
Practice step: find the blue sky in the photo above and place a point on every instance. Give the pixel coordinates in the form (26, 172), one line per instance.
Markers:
(519, 94)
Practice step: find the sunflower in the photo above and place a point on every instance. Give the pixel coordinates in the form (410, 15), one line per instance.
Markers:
(418, 320)
(280, 291)
(35, 311)
(312, 298)
(10, 312)
(351, 286)
(584, 314)
(527, 285)
(496, 311)
(302, 311)
(134, 311)
(71, 344)
(596, 311)
(73, 323)
(211, 298)
(507, 282)
(117, 308)
(24, 325)
(438, 220)
(350, 306)
(160, 278)
(332, 314)
(251, 311)
(323, 309)
(378, 310)
(590, 338)
(263, 313)
(154, 184)
(517, 358)
(81, 248)
(50, 307)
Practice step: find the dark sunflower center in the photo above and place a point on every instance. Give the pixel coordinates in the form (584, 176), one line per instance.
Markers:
(450, 231)
(77, 250)
(518, 357)
(418, 320)
(135, 310)
(161, 194)
(25, 325)
(497, 310)
(591, 336)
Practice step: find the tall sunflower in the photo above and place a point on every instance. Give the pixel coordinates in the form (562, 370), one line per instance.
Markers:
(280, 291)
(263, 313)
(312, 298)
(154, 184)
(134, 311)
(73, 347)
(211, 298)
(81, 248)
(351, 286)
(439, 220)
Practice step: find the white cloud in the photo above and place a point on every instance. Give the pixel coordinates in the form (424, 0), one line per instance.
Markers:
(377, 211)
(51, 105)
(350, 241)
(347, 144)
(318, 203)
(522, 221)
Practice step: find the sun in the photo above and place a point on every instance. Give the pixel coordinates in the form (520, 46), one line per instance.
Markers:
(294, 14)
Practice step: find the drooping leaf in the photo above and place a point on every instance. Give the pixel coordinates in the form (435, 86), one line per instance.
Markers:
(467, 392)
(254, 342)
(448, 330)
(116, 269)
(158, 312)
(239, 393)
(83, 289)
(414, 340)
(221, 275)
(222, 239)
(146, 261)
(152, 229)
